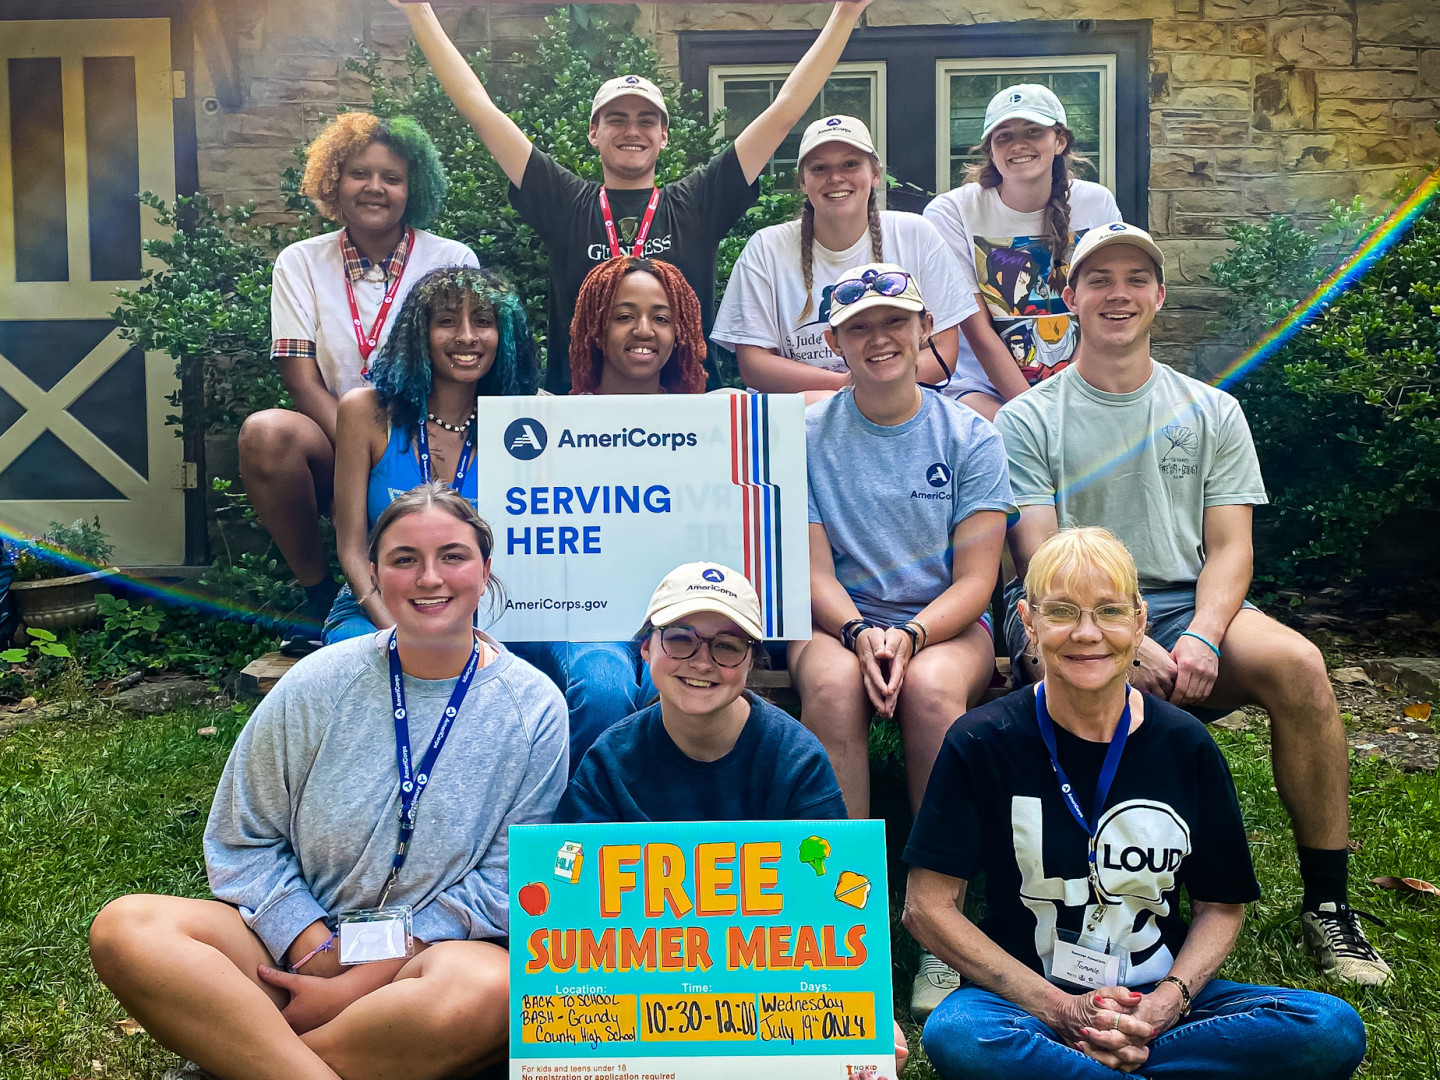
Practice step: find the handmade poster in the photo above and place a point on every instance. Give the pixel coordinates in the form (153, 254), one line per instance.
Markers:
(594, 499)
(700, 951)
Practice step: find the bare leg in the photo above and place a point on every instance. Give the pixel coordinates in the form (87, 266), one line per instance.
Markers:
(446, 1014)
(834, 705)
(982, 403)
(186, 970)
(1267, 664)
(941, 683)
(288, 467)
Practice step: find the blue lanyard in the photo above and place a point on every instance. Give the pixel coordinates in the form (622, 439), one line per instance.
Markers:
(412, 783)
(466, 453)
(1107, 770)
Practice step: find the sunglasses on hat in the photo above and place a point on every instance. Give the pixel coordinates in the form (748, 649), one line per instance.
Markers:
(889, 283)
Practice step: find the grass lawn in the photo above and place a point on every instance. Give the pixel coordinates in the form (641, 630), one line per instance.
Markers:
(105, 804)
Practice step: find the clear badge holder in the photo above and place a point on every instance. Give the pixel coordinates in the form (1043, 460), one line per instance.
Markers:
(1087, 961)
(376, 934)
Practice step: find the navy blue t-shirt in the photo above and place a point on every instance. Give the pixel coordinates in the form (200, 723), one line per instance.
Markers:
(1171, 820)
(776, 770)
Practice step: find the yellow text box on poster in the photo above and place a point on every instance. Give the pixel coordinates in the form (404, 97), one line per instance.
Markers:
(803, 1017)
(578, 1018)
(698, 1018)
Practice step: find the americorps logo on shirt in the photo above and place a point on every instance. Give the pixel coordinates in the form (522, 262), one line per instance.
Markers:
(938, 476)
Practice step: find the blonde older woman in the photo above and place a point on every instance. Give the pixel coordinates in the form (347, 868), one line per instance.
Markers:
(1088, 806)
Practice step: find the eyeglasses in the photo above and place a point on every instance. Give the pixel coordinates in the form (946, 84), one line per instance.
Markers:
(889, 283)
(727, 650)
(1106, 616)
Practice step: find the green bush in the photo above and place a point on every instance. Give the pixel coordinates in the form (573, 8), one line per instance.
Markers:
(1345, 415)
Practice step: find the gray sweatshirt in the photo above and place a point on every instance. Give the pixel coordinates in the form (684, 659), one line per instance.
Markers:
(305, 820)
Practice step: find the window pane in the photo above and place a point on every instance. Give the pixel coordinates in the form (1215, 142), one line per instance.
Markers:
(1078, 91)
(746, 97)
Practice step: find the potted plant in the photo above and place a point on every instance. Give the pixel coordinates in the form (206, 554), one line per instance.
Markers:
(58, 575)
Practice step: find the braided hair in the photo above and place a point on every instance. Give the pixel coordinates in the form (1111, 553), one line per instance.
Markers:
(403, 371)
(807, 236)
(1056, 230)
(684, 370)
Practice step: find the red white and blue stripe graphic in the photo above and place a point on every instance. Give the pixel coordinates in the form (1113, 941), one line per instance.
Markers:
(760, 502)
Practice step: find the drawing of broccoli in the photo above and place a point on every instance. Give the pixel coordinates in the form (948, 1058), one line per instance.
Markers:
(814, 850)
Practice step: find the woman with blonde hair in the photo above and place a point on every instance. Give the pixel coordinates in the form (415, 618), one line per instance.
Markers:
(332, 305)
(1089, 806)
(1012, 225)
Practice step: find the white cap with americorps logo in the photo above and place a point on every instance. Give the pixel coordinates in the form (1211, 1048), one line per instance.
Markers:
(1117, 232)
(843, 129)
(627, 86)
(1023, 101)
(706, 586)
(909, 299)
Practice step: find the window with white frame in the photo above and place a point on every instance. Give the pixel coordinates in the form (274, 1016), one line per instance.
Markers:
(745, 91)
(1085, 85)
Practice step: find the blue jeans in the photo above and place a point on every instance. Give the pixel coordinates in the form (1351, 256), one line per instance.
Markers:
(346, 620)
(604, 681)
(1233, 1030)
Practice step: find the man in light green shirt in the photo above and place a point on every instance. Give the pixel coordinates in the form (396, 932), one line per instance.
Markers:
(1166, 463)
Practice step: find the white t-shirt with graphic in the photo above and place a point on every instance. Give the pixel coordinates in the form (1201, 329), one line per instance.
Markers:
(1004, 259)
(766, 294)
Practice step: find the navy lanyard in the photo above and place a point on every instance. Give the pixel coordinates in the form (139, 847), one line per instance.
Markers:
(1107, 770)
(412, 783)
(466, 453)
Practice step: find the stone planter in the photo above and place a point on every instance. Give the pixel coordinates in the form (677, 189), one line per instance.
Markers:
(63, 603)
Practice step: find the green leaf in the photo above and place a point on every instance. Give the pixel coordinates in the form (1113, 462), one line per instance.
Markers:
(39, 634)
(14, 656)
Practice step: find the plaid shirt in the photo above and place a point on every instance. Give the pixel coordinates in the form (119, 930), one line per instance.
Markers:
(356, 265)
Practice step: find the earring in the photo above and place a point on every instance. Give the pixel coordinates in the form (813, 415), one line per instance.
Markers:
(1135, 662)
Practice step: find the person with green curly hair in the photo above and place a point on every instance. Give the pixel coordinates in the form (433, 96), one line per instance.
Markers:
(332, 307)
(461, 333)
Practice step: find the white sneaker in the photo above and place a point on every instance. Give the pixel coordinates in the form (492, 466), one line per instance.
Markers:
(933, 983)
(1334, 937)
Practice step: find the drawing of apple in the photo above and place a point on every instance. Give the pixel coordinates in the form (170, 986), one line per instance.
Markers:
(535, 898)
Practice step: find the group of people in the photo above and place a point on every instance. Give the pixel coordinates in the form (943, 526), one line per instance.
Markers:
(1087, 798)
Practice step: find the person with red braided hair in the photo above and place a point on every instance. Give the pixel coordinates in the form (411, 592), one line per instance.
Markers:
(331, 307)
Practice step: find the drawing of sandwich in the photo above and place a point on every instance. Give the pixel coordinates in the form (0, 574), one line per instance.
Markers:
(852, 889)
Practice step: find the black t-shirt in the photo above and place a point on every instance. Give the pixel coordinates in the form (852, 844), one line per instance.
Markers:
(993, 804)
(691, 218)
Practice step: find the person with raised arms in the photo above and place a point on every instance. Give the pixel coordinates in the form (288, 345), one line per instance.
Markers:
(1166, 463)
(908, 500)
(777, 302)
(585, 222)
(460, 333)
(1088, 806)
(331, 308)
(357, 847)
(1012, 225)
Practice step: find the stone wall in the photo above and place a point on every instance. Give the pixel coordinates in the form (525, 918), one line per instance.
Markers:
(1257, 106)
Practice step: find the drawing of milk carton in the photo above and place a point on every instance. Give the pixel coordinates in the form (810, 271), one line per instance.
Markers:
(567, 862)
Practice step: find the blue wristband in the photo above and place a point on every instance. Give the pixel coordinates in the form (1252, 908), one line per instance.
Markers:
(1203, 641)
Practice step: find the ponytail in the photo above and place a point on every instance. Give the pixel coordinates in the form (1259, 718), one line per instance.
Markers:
(807, 257)
(877, 242)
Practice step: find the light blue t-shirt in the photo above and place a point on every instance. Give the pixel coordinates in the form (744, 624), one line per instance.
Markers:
(890, 497)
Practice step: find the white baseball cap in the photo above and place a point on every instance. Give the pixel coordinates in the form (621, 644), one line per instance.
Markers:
(706, 586)
(1024, 101)
(871, 276)
(843, 129)
(627, 86)
(1117, 232)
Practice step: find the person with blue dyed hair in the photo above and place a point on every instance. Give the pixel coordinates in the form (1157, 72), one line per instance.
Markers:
(461, 333)
(1166, 463)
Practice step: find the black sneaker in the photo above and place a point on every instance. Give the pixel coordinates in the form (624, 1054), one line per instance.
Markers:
(1334, 937)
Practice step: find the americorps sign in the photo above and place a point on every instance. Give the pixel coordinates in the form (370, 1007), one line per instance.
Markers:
(594, 499)
(700, 951)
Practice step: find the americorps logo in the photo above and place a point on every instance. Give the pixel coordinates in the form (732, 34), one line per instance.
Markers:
(525, 438)
(713, 575)
(938, 475)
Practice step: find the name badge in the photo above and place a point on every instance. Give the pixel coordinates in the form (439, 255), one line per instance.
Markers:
(373, 934)
(1081, 965)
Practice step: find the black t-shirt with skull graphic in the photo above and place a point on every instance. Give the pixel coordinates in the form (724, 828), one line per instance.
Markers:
(691, 218)
(1171, 820)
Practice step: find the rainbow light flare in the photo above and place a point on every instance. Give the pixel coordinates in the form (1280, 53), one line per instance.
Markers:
(1381, 239)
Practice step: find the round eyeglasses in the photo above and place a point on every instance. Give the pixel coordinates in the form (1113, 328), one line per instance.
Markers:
(727, 650)
(1106, 616)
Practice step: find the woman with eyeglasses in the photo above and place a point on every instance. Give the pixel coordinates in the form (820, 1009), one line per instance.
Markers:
(1087, 806)
(775, 306)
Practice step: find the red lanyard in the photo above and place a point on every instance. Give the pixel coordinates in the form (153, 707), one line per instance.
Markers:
(367, 341)
(640, 236)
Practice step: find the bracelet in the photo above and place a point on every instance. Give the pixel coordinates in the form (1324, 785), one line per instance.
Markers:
(324, 946)
(852, 630)
(1180, 985)
(914, 636)
(360, 602)
(924, 634)
(1203, 641)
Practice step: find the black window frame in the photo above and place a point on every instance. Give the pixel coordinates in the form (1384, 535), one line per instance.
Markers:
(910, 54)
